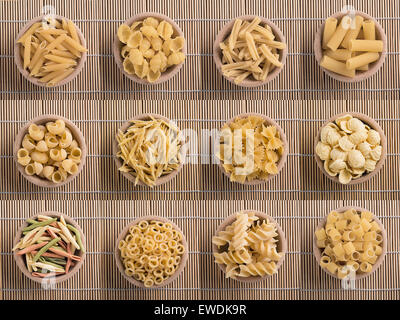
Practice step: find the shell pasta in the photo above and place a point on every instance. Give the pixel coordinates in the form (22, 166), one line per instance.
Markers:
(350, 242)
(151, 252)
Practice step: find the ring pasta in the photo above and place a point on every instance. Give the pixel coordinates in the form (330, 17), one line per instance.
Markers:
(51, 52)
(50, 152)
(248, 247)
(150, 48)
(350, 243)
(250, 51)
(349, 45)
(151, 252)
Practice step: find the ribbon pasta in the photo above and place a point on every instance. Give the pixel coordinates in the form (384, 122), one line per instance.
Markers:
(248, 247)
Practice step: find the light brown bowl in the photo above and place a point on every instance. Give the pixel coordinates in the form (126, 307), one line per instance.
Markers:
(77, 135)
(119, 162)
(282, 159)
(225, 32)
(166, 75)
(360, 75)
(122, 236)
(57, 279)
(374, 125)
(281, 247)
(318, 252)
(18, 59)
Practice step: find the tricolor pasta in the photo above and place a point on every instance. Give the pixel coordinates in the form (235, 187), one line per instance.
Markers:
(51, 50)
(349, 148)
(151, 252)
(350, 243)
(248, 247)
(150, 48)
(250, 51)
(50, 151)
(250, 148)
(349, 45)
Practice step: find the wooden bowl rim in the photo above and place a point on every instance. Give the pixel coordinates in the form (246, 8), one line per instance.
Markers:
(163, 179)
(282, 159)
(360, 75)
(374, 125)
(224, 33)
(123, 234)
(25, 73)
(282, 247)
(166, 75)
(58, 279)
(318, 252)
(77, 135)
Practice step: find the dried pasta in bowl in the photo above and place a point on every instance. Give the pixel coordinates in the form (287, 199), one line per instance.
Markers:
(249, 245)
(150, 48)
(51, 51)
(350, 243)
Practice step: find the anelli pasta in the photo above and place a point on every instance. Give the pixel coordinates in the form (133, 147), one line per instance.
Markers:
(51, 50)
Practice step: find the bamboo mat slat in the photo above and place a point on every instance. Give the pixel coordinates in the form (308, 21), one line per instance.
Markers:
(200, 178)
(200, 21)
(299, 278)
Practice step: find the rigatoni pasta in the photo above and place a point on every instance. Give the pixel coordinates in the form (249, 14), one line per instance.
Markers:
(350, 243)
(150, 48)
(349, 45)
(51, 50)
(151, 252)
(250, 51)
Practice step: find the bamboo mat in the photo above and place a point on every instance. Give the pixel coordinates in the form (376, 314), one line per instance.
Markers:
(200, 179)
(299, 277)
(200, 21)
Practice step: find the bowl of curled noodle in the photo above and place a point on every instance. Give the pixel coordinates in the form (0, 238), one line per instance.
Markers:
(249, 246)
(151, 252)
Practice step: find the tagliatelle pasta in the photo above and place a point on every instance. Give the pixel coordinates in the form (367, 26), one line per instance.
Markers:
(150, 149)
(51, 50)
(250, 51)
(50, 152)
(248, 247)
(151, 252)
(149, 48)
(250, 148)
(349, 148)
(351, 243)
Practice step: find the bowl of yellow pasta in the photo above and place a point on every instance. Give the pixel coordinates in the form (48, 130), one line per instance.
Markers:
(350, 148)
(149, 48)
(350, 243)
(49, 151)
(49, 247)
(151, 252)
(252, 165)
(149, 150)
(250, 51)
(249, 246)
(50, 51)
(350, 47)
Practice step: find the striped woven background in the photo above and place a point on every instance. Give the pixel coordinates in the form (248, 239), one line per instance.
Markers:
(299, 277)
(200, 21)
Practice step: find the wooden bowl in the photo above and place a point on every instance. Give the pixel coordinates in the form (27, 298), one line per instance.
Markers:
(374, 125)
(318, 252)
(119, 162)
(281, 247)
(166, 75)
(225, 32)
(77, 135)
(360, 75)
(57, 279)
(120, 265)
(282, 159)
(19, 61)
